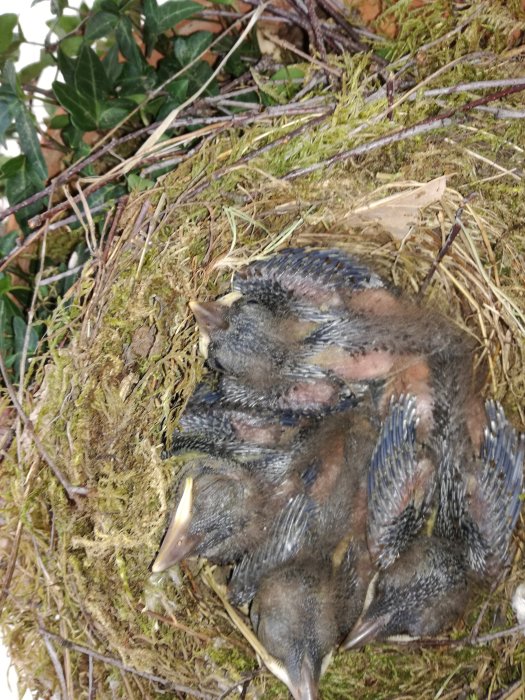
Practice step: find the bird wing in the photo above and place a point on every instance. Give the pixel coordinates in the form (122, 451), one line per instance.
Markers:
(285, 538)
(400, 484)
(493, 498)
(306, 273)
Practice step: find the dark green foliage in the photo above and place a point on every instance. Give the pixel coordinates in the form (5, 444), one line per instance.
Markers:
(119, 66)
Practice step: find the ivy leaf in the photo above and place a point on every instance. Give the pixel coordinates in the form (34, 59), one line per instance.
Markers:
(115, 112)
(10, 79)
(127, 43)
(139, 184)
(159, 19)
(90, 77)
(19, 328)
(171, 13)
(33, 70)
(112, 66)
(28, 140)
(7, 23)
(7, 243)
(66, 24)
(5, 283)
(100, 24)
(21, 182)
(178, 89)
(66, 66)
(83, 115)
(7, 309)
(189, 47)
(198, 75)
(7, 107)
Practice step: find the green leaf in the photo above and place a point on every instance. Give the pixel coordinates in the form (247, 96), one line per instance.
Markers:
(7, 23)
(151, 14)
(19, 328)
(115, 112)
(10, 78)
(66, 66)
(59, 121)
(198, 75)
(159, 19)
(112, 66)
(90, 77)
(134, 80)
(11, 166)
(139, 184)
(7, 308)
(81, 114)
(173, 12)
(178, 89)
(66, 24)
(72, 136)
(7, 106)
(127, 43)
(7, 243)
(28, 140)
(22, 184)
(33, 70)
(71, 45)
(111, 6)
(100, 24)
(5, 282)
(186, 48)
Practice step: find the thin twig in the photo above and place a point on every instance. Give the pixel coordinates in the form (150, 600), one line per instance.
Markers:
(509, 632)
(254, 154)
(10, 567)
(389, 139)
(56, 665)
(71, 491)
(357, 45)
(470, 87)
(243, 681)
(307, 57)
(30, 317)
(110, 661)
(454, 231)
(431, 124)
(60, 275)
(219, 125)
(166, 123)
(316, 29)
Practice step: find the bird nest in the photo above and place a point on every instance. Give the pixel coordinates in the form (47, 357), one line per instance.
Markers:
(83, 615)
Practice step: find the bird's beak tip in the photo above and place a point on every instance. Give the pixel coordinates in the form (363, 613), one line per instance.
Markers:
(364, 631)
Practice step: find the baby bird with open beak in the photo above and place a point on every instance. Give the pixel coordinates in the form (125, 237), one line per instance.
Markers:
(425, 581)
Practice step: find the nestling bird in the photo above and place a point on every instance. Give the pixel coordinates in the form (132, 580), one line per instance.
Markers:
(223, 511)
(227, 508)
(308, 587)
(424, 582)
(210, 424)
(329, 466)
(301, 612)
(288, 345)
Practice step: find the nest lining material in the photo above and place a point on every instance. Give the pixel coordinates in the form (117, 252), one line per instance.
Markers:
(107, 400)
